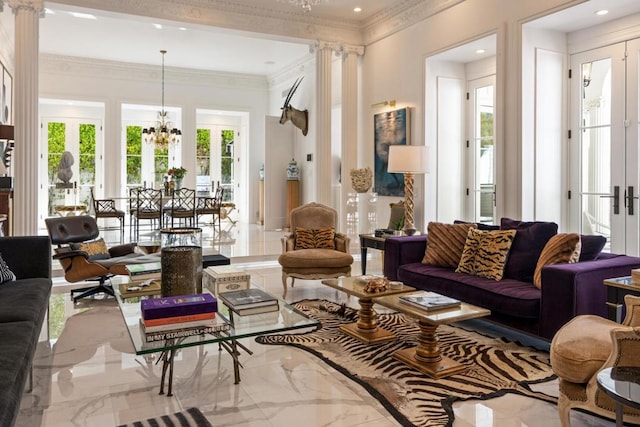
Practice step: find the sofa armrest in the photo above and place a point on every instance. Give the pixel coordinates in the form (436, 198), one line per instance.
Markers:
(569, 290)
(27, 256)
(402, 250)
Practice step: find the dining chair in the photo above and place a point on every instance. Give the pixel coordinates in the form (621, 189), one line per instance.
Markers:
(106, 208)
(148, 206)
(208, 205)
(182, 206)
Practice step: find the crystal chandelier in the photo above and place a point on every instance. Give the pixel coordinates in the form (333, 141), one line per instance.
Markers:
(305, 4)
(164, 133)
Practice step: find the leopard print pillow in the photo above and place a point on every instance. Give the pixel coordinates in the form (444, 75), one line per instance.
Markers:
(485, 253)
(321, 238)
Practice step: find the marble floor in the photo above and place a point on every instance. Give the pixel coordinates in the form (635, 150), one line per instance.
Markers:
(86, 372)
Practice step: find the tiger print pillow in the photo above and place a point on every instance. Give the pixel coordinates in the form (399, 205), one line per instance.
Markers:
(321, 238)
(485, 253)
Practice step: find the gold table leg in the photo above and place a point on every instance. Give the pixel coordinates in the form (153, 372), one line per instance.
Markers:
(426, 357)
(366, 329)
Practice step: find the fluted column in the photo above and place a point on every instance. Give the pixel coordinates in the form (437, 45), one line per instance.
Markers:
(324, 51)
(25, 157)
(349, 152)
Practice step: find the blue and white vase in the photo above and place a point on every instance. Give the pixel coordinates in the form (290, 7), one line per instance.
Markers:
(293, 172)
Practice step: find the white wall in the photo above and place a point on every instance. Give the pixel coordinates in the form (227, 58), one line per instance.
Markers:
(393, 69)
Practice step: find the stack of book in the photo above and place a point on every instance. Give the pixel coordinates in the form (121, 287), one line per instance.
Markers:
(180, 316)
(429, 301)
(144, 280)
(249, 301)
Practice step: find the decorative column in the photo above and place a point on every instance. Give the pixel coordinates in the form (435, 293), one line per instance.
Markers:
(323, 183)
(25, 155)
(349, 153)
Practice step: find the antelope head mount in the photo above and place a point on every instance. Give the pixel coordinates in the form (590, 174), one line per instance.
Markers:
(300, 119)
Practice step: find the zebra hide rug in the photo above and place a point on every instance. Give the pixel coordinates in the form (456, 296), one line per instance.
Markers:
(495, 366)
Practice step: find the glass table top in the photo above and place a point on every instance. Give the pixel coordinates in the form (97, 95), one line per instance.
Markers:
(287, 318)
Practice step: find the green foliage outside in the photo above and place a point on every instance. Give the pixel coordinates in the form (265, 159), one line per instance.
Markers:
(226, 163)
(134, 155)
(486, 130)
(203, 152)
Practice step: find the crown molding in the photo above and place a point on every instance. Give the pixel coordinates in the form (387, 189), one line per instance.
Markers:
(402, 16)
(114, 70)
(277, 22)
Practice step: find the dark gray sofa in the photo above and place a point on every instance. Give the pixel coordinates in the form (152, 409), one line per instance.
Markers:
(23, 307)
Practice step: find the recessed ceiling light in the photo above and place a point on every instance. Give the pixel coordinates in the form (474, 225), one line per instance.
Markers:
(479, 51)
(602, 12)
(158, 26)
(182, 29)
(49, 11)
(357, 9)
(82, 15)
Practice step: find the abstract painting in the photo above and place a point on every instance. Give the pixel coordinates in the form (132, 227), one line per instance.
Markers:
(390, 128)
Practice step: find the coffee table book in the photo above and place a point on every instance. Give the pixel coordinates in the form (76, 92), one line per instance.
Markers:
(133, 289)
(255, 310)
(218, 325)
(156, 308)
(247, 298)
(429, 301)
(179, 319)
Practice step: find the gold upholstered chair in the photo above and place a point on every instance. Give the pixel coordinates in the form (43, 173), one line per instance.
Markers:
(585, 346)
(314, 249)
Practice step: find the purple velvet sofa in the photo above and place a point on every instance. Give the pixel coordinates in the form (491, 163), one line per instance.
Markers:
(567, 289)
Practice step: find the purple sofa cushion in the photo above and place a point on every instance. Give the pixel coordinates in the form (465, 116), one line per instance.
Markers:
(507, 296)
(481, 225)
(531, 237)
(591, 246)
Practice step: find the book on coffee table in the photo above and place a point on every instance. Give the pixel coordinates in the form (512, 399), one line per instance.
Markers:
(429, 301)
(249, 301)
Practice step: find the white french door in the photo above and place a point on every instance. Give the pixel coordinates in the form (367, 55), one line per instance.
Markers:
(481, 149)
(603, 144)
(83, 139)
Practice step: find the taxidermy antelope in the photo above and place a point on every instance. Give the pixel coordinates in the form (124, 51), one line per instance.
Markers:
(300, 119)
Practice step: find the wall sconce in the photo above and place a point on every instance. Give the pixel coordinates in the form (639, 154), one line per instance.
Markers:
(391, 104)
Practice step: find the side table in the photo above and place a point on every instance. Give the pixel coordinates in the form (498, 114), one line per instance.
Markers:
(622, 384)
(370, 241)
(617, 288)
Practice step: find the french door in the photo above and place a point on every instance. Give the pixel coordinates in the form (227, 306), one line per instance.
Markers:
(603, 144)
(481, 149)
(217, 159)
(83, 139)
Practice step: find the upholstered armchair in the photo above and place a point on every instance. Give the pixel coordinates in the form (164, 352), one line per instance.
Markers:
(585, 346)
(314, 249)
(86, 258)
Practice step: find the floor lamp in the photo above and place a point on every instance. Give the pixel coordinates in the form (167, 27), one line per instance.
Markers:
(409, 160)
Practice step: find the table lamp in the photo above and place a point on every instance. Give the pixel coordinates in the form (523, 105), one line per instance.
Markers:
(409, 160)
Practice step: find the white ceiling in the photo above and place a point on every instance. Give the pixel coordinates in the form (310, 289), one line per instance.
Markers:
(128, 38)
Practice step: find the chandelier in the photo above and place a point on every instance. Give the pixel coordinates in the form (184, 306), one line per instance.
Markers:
(305, 4)
(164, 133)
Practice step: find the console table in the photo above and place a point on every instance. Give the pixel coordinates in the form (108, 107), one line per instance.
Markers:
(617, 288)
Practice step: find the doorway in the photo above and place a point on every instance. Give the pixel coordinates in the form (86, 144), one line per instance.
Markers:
(604, 154)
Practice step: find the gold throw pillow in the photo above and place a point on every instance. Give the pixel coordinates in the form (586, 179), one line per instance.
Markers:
(445, 243)
(560, 249)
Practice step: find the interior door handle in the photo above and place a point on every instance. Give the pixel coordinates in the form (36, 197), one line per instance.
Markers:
(616, 199)
(629, 199)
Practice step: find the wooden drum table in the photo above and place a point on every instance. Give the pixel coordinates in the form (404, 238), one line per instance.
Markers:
(366, 329)
(427, 357)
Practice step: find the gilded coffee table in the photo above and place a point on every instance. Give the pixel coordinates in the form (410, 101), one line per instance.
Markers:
(366, 329)
(427, 357)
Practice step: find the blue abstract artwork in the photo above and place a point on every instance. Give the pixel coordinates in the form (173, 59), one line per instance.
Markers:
(390, 128)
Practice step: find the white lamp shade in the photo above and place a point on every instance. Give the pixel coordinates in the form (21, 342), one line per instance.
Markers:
(408, 158)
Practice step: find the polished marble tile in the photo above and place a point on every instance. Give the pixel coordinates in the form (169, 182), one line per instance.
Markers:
(86, 373)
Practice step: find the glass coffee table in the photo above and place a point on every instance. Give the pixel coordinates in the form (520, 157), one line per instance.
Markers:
(287, 318)
(366, 329)
(426, 357)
